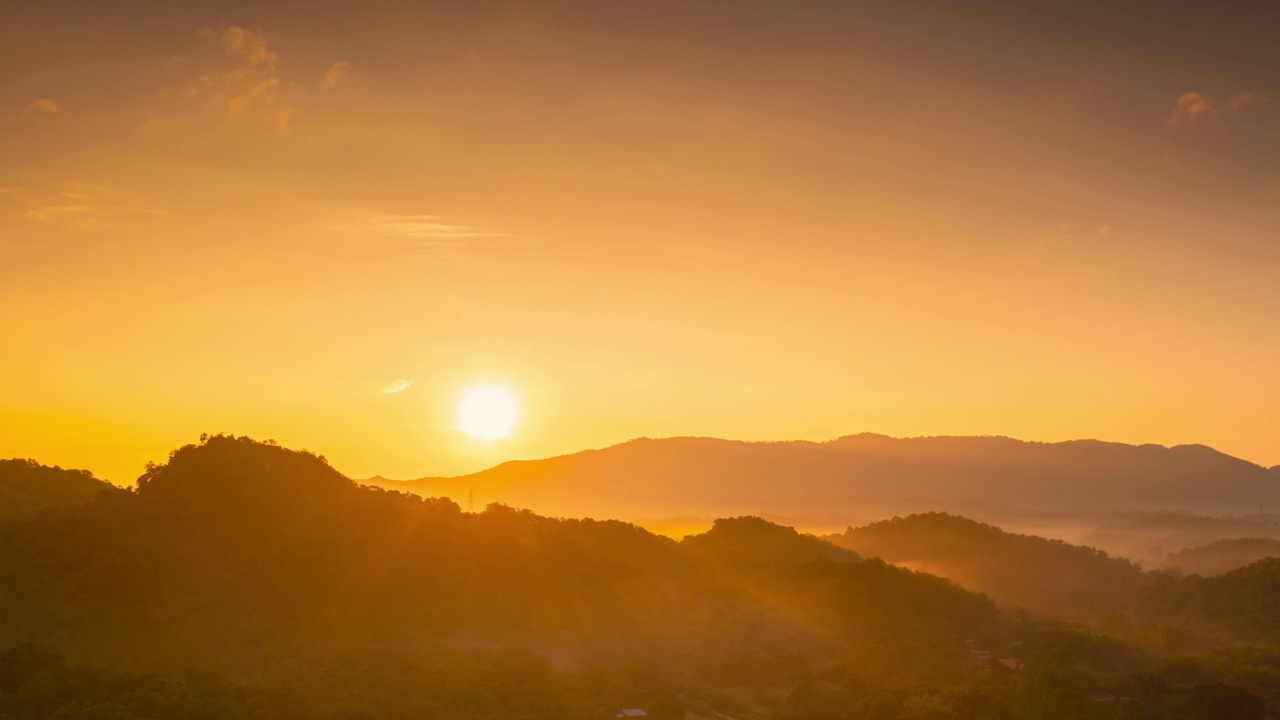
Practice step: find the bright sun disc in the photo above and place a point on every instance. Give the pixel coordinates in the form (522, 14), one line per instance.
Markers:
(487, 412)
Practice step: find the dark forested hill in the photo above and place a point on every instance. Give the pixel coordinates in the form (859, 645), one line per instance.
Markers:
(236, 550)
(1047, 577)
(26, 485)
(255, 581)
(868, 476)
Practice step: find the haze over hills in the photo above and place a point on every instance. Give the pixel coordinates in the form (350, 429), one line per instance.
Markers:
(1047, 577)
(1223, 555)
(869, 477)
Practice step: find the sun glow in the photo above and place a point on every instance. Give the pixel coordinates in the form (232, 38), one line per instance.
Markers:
(487, 412)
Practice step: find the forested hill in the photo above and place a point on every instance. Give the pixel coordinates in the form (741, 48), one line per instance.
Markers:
(868, 476)
(1242, 605)
(234, 551)
(1047, 577)
(255, 581)
(26, 485)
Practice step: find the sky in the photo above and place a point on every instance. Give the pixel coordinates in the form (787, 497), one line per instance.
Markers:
(324, 223)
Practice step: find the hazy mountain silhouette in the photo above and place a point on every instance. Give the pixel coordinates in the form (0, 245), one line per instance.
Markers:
(26, 485)
(868, 477)
(1047, 577)
(1223, 555)
(1150, 538)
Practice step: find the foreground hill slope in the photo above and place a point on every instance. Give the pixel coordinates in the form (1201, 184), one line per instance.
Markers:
(26, 485)
(235, 551)
(1242, 605)
(1047, 577)
(868, 476)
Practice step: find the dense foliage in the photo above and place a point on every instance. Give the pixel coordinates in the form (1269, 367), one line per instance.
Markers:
(242, 579)
(1241, 606)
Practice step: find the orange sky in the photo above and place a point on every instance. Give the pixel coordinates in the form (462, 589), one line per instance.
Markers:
(734, 219)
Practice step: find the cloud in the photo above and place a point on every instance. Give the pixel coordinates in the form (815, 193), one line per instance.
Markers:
(335, 74)
(49, 212)
(1243, 99)
(72, 205)
(1193, 105)
(1073, 231)
(245, 78)
(246, 83)
(1190, 106)
(396, 386)
(421, 230)
(249, 47)
(42, 108)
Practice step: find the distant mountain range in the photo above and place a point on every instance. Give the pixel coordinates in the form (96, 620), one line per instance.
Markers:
(868, 477)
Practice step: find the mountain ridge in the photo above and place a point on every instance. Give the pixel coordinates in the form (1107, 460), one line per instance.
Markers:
(707, 439)
(867, 476)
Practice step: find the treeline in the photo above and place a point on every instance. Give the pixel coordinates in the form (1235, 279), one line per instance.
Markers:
(26, 486)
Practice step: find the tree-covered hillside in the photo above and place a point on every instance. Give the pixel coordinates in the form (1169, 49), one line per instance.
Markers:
(26, 486)
(1050, 578)
(237, 555)
(1240, 607)
(242, 579)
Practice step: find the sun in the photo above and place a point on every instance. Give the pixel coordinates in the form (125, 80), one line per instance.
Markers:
(487, 412)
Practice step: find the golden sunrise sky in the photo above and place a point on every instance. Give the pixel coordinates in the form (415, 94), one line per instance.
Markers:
(323, 222)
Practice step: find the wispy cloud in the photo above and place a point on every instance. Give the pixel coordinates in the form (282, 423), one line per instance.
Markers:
(74, 205)
(335, 74)
(1193, 105)
(49, 212)
(246, 81)
(395, 386)
(44, 107)
(419, 230)
(1073, 231)
(248, 46)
